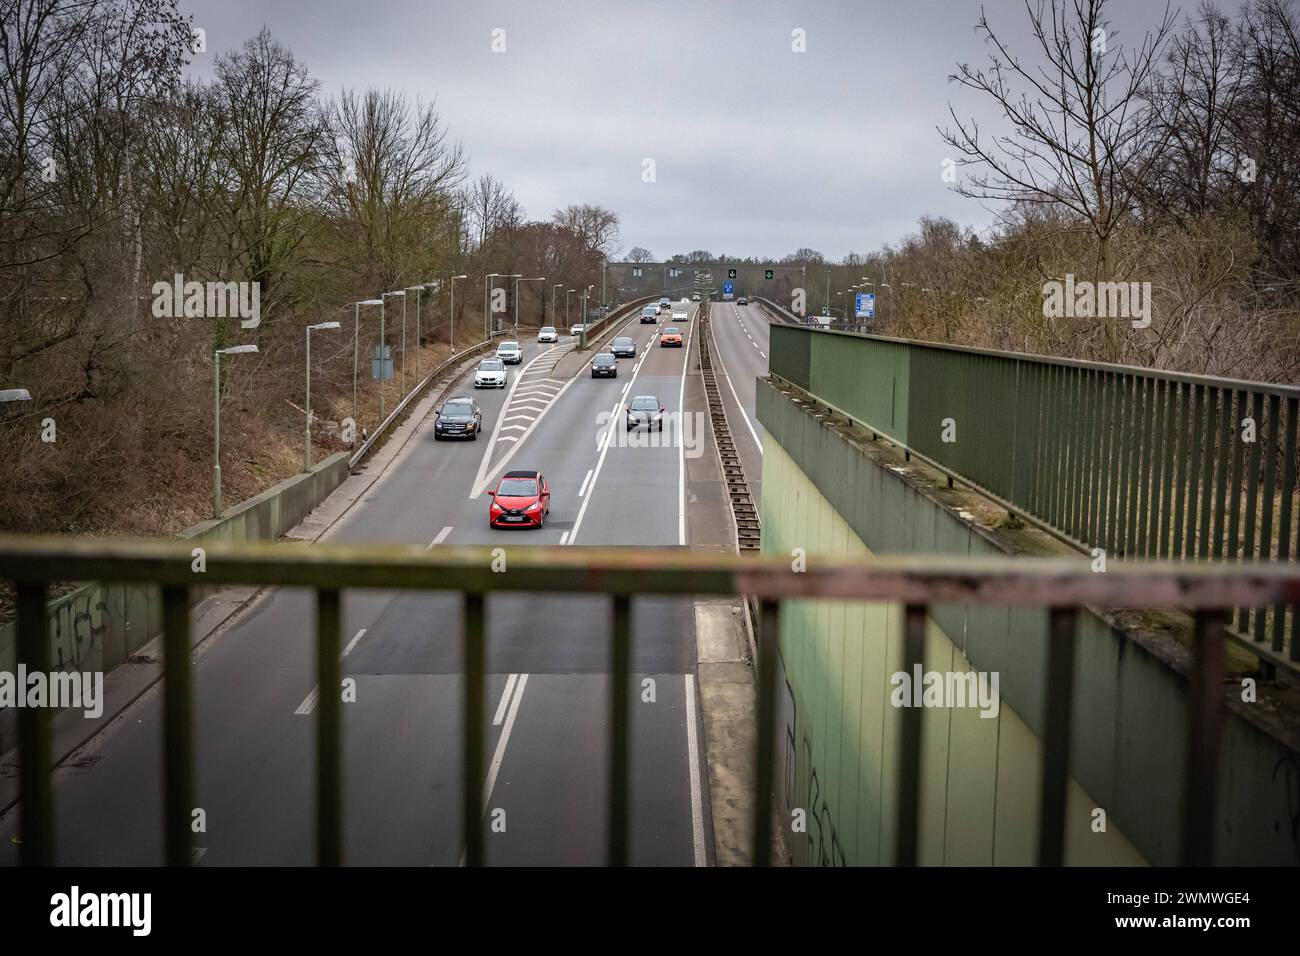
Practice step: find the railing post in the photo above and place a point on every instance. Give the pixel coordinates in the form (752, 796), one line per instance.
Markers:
(178, 741)
(909, 758)
(619, 723)
(36, 812)
(329, 744)
(769, 630)
(472, 717)
(1205, 721)
(1058, 697)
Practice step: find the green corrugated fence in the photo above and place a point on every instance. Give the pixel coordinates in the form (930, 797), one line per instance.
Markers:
(1140, 462)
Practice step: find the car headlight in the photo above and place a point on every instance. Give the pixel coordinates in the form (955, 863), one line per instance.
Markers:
(535, 506)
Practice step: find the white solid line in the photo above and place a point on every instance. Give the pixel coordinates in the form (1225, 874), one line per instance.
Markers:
(693, 756)
(564, 538)
(505, 699)
(681, 445)
(440, 537)
(501, 743)
(583, 490)
(309, 702)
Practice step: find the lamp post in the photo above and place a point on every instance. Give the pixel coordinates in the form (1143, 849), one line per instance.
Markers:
(451, 323)
(487, 334)
(603, 266)
(582, 336)
(356, 350)
(567, 320)
(418, 290)
(306, 458)
(555, 288)
(383, 309)
(216, 420)
(516, 276)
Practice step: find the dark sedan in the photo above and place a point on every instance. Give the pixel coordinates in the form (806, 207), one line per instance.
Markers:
(604, 365)
(623, 347)
(458, 418)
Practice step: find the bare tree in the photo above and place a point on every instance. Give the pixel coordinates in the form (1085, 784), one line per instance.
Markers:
(1082, 134)
(595, 227)
(640, 254)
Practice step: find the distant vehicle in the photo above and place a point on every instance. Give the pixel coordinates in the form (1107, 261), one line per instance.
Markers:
(510, 352)
(458, 418)
(645, 410)
(604, 365)
(696, 297)
(742, 301)
(665, 303)
(521, 500)
(623, 347)
(650, 314)
(670, 337)
(491, 373)
(548, 334)
(576, 329)
(681, 317)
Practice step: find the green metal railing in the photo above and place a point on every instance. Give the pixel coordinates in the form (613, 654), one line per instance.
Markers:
(1140, 462)
(624, 575)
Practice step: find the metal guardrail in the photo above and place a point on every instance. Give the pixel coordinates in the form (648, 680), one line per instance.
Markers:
(1139, 462)
(624, 575)
(399, 409)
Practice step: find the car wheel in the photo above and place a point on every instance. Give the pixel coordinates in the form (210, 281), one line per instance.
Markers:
(437, 437)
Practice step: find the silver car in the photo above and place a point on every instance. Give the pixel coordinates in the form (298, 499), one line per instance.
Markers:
(548, 334)
(510, 353)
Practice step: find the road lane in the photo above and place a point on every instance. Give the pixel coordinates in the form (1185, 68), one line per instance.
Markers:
(740, 334)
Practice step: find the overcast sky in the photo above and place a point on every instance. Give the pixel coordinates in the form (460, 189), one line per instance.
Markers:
(758, 150)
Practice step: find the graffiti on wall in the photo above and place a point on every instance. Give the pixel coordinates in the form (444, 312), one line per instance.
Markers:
(78, 626)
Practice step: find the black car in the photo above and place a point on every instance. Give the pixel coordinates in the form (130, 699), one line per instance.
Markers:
(605, 365)
(458, 418)
(645, 410)
(623, 347)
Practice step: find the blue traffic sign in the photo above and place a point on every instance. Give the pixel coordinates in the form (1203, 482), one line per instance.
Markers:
(864, 305)
(728, 288)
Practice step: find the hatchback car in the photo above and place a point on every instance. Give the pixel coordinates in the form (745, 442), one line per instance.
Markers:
(670, 338)
(522, 499)
(604, 365)
(458, 418)
(645, 410)
(576, 329)
(623, 347)
(548, 334)
(650, 314)
(510, 352)
(491, 373)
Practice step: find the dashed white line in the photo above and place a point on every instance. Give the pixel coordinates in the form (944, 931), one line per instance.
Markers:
(583, 490)
(505, 699)
(439, 538)
(309, 702)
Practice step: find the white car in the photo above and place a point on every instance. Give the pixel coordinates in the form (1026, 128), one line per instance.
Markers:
(680, 316)
(510, 353)
(548, 334)
(491, 373)
(577, 329)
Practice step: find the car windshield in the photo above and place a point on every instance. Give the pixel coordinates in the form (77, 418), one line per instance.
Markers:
(622, 341)
(672, 331)
(547, 329)
(509, 347)
(603, 360)
(645, 403)
(517, 487)
(648, 310)
(491, 365)
(457, 410)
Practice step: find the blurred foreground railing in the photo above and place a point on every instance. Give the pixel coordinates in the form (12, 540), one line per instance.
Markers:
(624, 574)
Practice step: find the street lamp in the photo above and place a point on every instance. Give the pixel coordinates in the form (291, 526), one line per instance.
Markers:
(216, 420)
(554, 288)
(319, 326)
(356, 350)
(418, 290)
(451, 323)
(383, 342)
(567, 320)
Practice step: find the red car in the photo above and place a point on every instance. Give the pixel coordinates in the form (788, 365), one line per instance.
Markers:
(522, 500)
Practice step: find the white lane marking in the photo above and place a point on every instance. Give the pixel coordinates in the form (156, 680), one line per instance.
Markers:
(500, 754)
(520, 418)
(505, 699)
(508, 438)
(762, 353)
(487, 452)
(583, 490)
(564, 537)
(482, 483)
(197, 854)
(356, 637)
(743, 414)
(309, 702)
(693, 756)
(440, 537)
(514, 428)
(681, 445)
